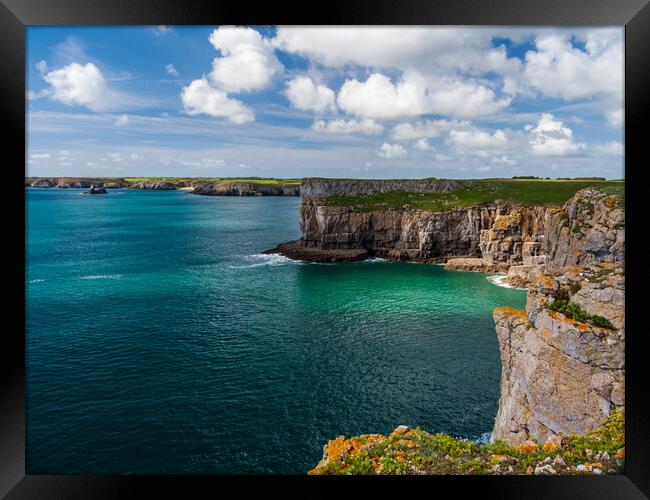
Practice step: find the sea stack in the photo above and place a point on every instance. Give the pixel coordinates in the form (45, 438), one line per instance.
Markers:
(96, 190)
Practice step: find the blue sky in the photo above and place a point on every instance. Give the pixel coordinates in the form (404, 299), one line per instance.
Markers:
(379, 102)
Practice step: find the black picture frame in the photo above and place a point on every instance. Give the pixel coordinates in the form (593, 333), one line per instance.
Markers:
(15, 15)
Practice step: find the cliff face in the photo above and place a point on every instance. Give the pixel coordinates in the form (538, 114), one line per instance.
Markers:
(563, 358)
(153, 185)
(561, 372)
(398, 234)
(589, 228)
(502, 234)
(245, 189)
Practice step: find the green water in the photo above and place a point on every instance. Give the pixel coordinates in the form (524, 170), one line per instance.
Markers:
(159, 340)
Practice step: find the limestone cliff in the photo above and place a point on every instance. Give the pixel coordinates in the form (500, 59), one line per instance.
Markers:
(245, 189)
(563, 358)
(589, 228)
(154, 185)
(497, 236)
(497, 231)
(397, 234)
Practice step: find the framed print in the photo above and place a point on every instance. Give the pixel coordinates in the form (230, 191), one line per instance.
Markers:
(378, 244)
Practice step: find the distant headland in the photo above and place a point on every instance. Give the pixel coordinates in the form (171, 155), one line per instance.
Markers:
(242, 186)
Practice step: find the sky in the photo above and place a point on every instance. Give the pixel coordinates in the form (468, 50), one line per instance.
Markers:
(363, 102)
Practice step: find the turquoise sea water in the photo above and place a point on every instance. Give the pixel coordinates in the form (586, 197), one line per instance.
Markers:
(159, 340)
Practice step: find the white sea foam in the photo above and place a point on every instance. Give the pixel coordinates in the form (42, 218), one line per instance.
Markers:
(101, 277)
(484, 438)
(500, 280)
(374, 259)
(262, 259)
(37, 280)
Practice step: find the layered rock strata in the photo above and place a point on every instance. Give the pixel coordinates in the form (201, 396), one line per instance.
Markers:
(494, 237)
(562, 370)
(245, 189)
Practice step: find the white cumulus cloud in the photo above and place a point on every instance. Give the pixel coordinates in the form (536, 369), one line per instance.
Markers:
(391, 151)
(171, 70)
(400, 47)
(414, 95)
(550, 137)
(199, 97)
(304, 94)
(558, 69)
(77, 84)
(247, 61)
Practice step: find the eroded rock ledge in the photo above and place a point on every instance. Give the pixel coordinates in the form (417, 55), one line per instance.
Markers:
(295, 250)
(563, 358)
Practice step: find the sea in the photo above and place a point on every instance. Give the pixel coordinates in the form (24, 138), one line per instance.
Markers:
(160, 340)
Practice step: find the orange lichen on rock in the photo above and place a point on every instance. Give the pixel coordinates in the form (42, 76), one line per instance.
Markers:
(553, 442)
(547, 281)
(338, 447)
(511, 311)
(612, 202)
(581, 327)
(528, 447)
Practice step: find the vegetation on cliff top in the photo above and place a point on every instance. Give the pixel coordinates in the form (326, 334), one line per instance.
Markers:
(573, 311)
(126, 181)
(414, 451)
(477, 192)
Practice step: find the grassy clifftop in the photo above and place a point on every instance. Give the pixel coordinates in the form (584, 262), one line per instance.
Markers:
(177, 181)
(414, 451)
(224, 180)
(475, 192)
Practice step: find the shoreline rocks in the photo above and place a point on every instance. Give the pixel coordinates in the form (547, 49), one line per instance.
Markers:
(294, 250)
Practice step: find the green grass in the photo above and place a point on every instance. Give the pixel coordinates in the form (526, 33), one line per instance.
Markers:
(573, 311)
(418, 452)
(227, 180)
(126, 181)
(528, 192)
